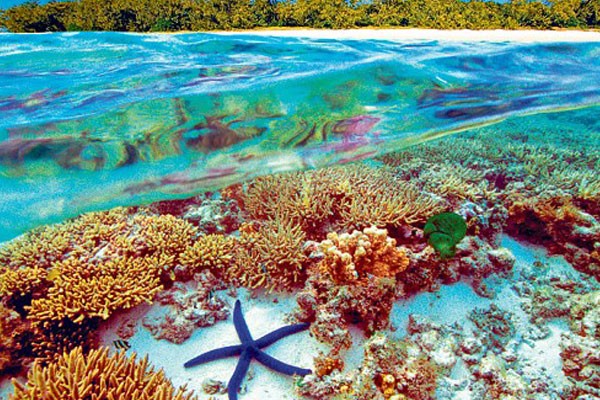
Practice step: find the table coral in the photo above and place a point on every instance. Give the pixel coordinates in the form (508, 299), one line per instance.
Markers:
(76, 376)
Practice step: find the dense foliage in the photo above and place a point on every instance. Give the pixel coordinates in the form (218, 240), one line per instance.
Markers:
(201, 15)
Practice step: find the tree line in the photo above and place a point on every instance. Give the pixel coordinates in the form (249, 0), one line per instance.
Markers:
(206, 15)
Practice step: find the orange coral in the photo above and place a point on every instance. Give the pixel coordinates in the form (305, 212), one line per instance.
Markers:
(23, 281)
(96, 375)
(348, 257)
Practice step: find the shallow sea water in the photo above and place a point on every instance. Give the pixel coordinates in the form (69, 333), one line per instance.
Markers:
(242, 153)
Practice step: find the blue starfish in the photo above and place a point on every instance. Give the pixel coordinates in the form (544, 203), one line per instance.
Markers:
(250, 349)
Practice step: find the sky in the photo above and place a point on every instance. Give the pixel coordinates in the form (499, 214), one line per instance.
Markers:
(10, 3)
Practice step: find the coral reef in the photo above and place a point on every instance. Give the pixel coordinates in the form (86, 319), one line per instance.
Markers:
(62, 279)
(212, 252)
(83, 290)
(12, 331)
(557, 223)
(76, 376)
(341, 198)
(474, 258)
(353, 282)
(497, 327)
(390, 369)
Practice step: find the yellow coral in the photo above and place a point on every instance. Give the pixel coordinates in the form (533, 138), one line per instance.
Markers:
(212, 252)
(348, 257)
(96, 375)
(22, 281)
(83, 290)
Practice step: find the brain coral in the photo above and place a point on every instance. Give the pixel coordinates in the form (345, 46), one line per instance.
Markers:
(96, 375)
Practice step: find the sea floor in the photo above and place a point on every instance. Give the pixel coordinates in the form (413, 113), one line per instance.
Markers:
(536, 354)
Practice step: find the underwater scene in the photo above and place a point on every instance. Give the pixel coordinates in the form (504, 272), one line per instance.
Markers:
(205, 216)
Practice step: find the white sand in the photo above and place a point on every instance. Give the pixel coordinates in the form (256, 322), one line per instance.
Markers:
(430, 34)
(262, 316)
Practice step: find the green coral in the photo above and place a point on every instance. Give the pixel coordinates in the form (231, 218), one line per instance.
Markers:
(445, 230)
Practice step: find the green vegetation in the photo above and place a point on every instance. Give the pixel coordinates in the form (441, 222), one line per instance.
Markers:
(202, 15)
(445, 230)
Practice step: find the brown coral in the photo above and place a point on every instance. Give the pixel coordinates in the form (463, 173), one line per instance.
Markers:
(350, 197)
(12, 330)
(557, 223)
(354, 282)
(76, 376)
(270, 255)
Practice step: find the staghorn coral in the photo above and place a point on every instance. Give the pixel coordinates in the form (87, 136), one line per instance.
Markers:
(212, 252)
(64, 278)
(85, 290)
(76, 376)
(269, 255)
(340, 198)
(354, 282)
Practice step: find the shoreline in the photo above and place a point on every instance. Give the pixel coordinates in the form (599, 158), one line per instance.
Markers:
(462, 35)
(392, 34)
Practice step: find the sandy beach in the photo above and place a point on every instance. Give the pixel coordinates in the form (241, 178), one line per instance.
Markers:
(430, 34)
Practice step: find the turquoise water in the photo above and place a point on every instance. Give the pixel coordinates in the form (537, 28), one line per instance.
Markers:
(94, 120)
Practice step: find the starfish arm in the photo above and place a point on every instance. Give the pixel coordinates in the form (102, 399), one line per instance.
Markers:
(215, 354)
(279, 366)
(238, 375)
(240, 323)
(280, 333)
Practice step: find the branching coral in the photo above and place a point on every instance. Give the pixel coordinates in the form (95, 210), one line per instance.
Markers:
(213, 252)
(270, 255)
(83, 290)
(76, 376)
(65, 277)
(355, 196)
